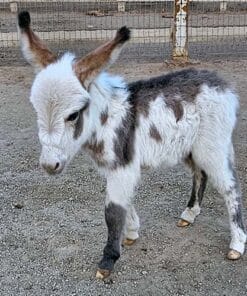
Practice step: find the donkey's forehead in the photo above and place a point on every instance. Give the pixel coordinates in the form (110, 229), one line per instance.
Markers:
(58, 84)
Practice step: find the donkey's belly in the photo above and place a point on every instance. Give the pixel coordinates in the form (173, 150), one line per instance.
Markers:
(167, 145)
(165, 154)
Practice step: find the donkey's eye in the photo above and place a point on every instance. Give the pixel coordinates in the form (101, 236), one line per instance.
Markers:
(73, 116)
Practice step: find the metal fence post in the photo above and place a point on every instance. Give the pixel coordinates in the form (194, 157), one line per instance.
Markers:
(180, 30)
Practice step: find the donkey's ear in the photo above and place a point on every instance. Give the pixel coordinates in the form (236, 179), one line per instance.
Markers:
(34, 50)
(88, 68)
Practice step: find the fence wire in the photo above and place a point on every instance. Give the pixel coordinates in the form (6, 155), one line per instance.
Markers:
(215, 28)
(218, 29)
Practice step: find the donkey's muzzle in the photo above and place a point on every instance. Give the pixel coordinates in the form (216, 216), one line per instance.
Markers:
(53, 168)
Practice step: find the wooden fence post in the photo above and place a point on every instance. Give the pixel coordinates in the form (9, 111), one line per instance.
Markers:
(180, 30)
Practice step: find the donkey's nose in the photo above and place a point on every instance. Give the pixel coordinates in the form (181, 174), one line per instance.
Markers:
(52, 168)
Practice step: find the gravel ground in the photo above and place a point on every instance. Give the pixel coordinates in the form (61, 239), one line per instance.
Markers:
(52, 230)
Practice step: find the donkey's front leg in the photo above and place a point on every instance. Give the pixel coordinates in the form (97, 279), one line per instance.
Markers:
(115, 216)
(120, 189)
(132, 227)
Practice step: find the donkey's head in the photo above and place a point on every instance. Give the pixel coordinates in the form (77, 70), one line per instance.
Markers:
(60, 92)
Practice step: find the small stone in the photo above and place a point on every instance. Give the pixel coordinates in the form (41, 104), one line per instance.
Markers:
(9, 144)
(18, 205)
(144, 249)
(95, 13)
(109, 281)
(28, 286)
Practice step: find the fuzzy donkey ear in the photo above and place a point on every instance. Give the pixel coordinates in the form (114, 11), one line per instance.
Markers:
(34, 50)
(87, 68)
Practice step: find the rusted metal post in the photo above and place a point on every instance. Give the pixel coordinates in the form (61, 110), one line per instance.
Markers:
(180, 30)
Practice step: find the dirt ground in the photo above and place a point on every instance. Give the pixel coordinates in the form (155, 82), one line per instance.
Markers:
(52, 230)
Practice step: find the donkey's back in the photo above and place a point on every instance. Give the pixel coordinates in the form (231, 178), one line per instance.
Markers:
(180, 111)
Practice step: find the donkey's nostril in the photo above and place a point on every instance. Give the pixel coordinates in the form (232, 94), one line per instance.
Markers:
(51, 168)
(56, 166)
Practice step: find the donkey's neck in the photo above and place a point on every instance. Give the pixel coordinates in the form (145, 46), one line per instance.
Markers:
(108, 108)
(107, 90)
(109, 99)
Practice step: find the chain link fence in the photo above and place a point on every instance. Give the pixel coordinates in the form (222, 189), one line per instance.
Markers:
(212, 29)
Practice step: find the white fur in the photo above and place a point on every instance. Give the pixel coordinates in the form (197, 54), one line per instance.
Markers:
(132, 224)
(177, 137)
(100, 89)
(190, 214)
(55, 94)
(205, 129)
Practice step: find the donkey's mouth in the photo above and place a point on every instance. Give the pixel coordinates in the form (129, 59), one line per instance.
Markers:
(53, 173)
(53, 169)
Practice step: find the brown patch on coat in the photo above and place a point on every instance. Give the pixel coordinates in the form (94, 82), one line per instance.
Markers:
(176, 107)
(104, 117)
(143, 108)
(154, 133)
(142, 104)
(139, 98)
(95, 149)
(190, 162)
(89, 66)
(124, 143)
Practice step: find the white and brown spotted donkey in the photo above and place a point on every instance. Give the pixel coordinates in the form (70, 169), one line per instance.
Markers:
(185, 116)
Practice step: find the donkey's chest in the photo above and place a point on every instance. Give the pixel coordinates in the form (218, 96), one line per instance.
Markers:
(102, 151)
(96, 149)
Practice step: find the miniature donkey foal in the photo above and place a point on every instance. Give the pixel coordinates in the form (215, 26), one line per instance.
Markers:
(187, 116)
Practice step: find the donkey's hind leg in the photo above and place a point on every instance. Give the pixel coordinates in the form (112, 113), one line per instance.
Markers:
(232, 195)
(194, 205)
(220, 169)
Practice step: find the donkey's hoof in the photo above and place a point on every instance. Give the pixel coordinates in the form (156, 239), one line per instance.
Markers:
(183, 223)
(128, 242)
(102, 274)
(233, 255)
